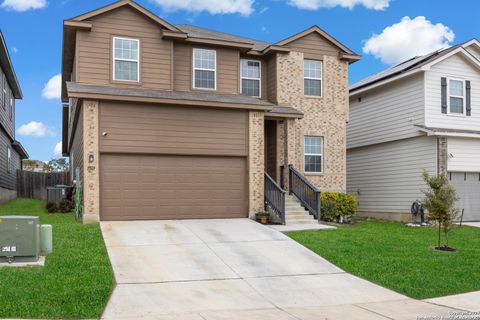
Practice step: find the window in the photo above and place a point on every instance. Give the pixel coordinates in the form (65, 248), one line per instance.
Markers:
(9, 160)
(12, 105)
(4, 93)
(126, 65)
(250, 73)
(312, 78)
(456, 99)
(204, 65)
(313, 154)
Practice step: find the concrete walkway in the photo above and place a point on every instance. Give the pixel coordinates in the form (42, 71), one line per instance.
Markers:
(472, 224)
(236, 269)
(466, 301)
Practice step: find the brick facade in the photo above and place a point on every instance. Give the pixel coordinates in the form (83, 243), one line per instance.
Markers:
(442, 151)
(323, 116)
(256, 163)
(91, 160)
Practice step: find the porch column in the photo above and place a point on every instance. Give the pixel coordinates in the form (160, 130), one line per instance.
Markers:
(442, 145)
(256, 165)
(91, 155)
(289, 148)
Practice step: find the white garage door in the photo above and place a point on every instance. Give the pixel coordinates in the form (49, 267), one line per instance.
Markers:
(467, 185)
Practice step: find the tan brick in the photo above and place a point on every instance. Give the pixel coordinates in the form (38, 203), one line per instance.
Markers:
(324, 116)
(91, 176)
(256, 160)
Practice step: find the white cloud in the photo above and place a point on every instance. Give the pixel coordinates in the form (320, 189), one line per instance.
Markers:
(57, 151)
(407, 39)
(53, 88)
(23, 5)
(244, 7)
(317, 4)
(36, 129)
(15, 49)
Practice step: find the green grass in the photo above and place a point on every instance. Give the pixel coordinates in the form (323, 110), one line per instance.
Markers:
(76, 280)
(401, 258)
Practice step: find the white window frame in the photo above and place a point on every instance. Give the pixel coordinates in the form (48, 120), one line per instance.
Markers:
(12, 104)
(4, 90)
(128, 60)
(311, 78)
(9, 160)
(248, 78)
(204, 69)
(464, 97)
(313, 154)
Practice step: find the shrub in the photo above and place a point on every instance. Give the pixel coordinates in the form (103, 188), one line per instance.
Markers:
(66, 206)
(336, 206)
(51, 207)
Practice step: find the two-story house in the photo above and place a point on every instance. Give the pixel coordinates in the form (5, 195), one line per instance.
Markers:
(11, 151)
(167, 121)
(423, 113)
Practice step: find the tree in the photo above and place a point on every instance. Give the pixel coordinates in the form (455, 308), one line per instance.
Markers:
(57, 165)
(440, 198)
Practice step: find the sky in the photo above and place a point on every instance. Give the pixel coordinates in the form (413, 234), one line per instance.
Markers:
(383, 32)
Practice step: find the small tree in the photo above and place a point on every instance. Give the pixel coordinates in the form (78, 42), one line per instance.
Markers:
(57, 165)
(440, 198)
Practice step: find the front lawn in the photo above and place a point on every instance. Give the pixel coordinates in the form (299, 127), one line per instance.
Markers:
(76, 281)
(401, 258)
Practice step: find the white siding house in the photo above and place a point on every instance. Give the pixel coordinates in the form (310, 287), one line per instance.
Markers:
(421, 114)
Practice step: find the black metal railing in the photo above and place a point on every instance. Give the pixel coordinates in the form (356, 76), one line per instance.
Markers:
(275, 197)
(306, 192)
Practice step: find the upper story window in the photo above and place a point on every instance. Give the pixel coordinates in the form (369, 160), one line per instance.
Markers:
(456, 96)
(9, 159)
(204, 69)
(4, 92)
(313, 154)
(312, 78)
(126, 59)
(250, 74)
(12, 105)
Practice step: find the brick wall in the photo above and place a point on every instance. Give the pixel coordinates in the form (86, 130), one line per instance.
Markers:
(324, 116)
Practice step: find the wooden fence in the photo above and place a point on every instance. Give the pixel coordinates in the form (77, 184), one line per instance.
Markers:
(34, 184)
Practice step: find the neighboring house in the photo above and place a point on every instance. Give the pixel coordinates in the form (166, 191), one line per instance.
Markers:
(174, 121)
(34, 165)
(11, 151)
(421, 114)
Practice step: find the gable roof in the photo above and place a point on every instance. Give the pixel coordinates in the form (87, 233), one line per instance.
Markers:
(197, 32)
(123, 3)
(321, 32)
(7, 67)
(413, 64)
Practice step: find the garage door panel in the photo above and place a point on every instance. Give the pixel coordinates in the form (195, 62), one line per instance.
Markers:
(467, 186)
(135, 187)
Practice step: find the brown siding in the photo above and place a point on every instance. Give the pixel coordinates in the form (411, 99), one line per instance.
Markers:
(148, 128)
(8, 179)
(77, 147)
(138, 187)
(314, 46)
(272, 79)
(228, 74)
(5, 121)
(94, 60)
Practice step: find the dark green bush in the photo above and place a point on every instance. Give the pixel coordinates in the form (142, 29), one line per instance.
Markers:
(51, 207)
(66, 206)
(337, 206)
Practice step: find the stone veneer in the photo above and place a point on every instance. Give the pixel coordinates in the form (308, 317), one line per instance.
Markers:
(256, 163)
(442, 146)
(91, 175)
(324, 116)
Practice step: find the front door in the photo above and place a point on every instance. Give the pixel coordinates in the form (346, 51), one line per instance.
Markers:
(271, 148)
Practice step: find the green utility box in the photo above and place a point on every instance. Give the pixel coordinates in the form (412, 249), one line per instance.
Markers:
(19, 239)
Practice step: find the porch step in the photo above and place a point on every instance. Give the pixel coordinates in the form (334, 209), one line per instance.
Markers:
(295, 213)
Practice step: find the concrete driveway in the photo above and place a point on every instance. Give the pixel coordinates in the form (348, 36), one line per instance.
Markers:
(236, 269)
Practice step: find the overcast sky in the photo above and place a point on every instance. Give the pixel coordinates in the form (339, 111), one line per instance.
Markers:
(384, 32)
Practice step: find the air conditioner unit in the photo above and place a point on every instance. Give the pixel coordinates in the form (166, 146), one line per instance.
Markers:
(19, 239)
